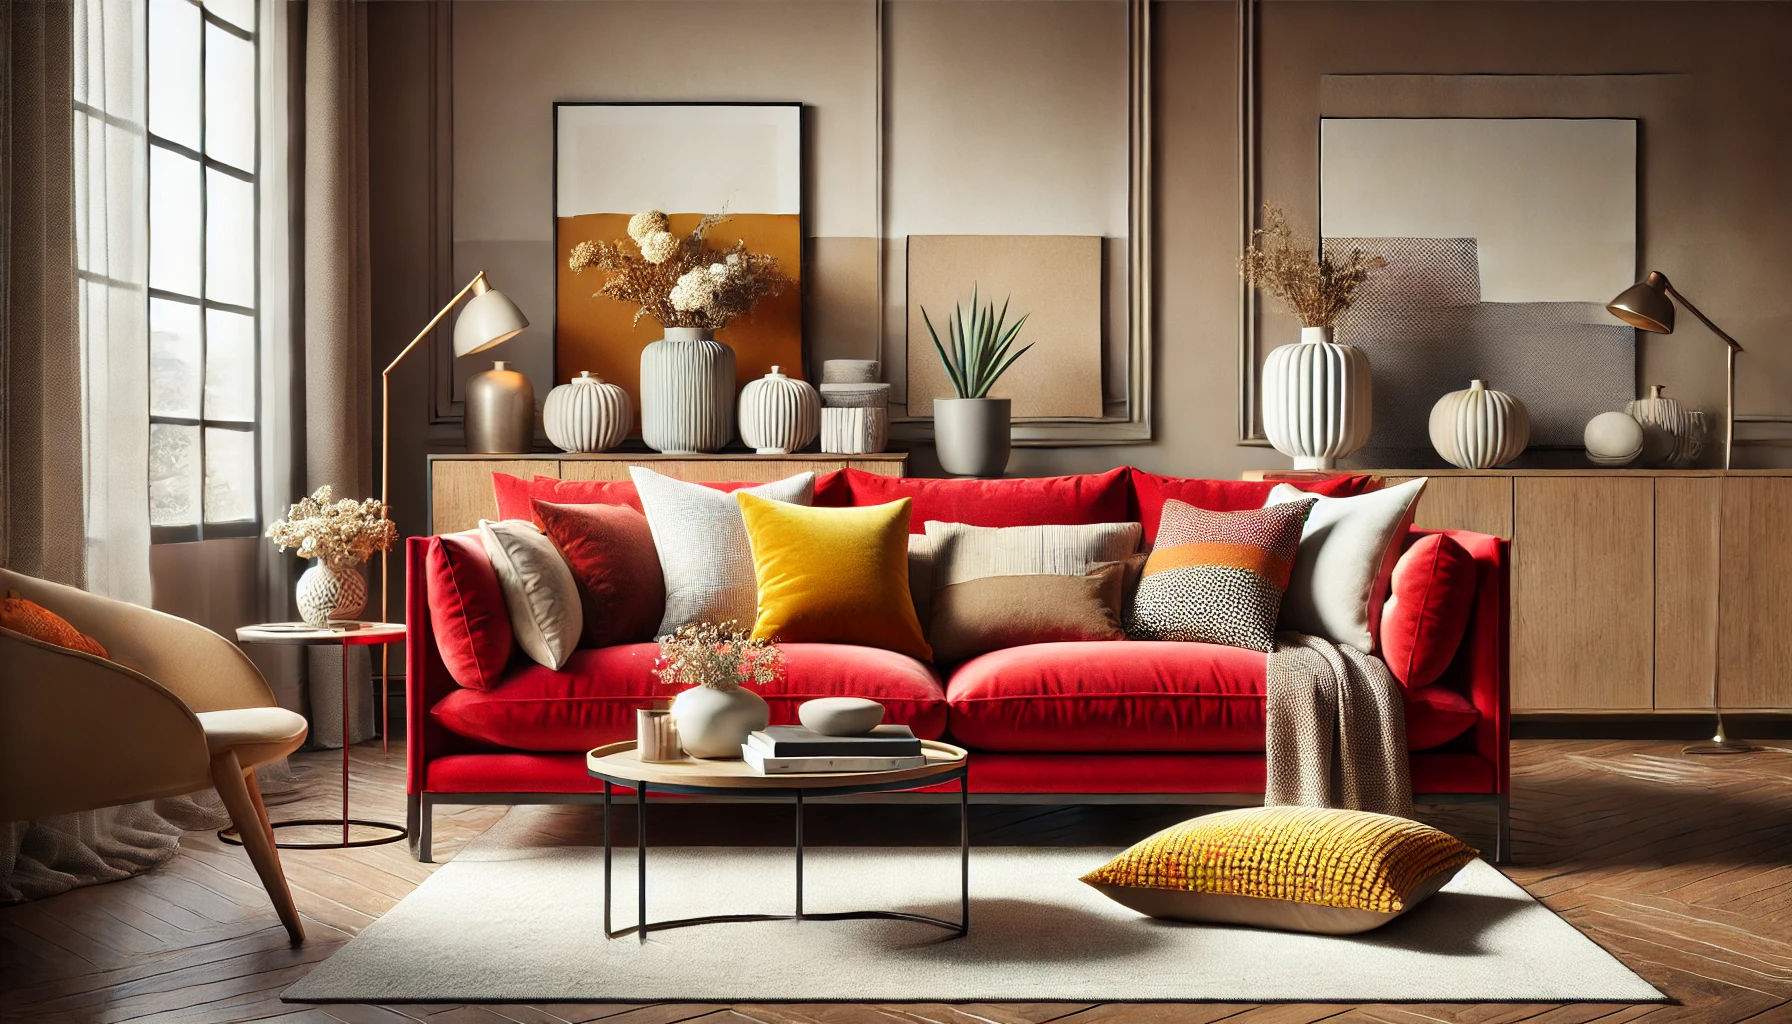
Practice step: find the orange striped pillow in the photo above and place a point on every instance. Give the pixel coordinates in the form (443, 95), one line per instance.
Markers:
(1218, 577)
(40, 623)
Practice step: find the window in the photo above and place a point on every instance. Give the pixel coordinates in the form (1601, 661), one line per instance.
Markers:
(204, 137)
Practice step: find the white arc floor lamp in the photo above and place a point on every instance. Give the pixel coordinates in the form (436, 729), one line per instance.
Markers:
(489, 319)
(1648, 305)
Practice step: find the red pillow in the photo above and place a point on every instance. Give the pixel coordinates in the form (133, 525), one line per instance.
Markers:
(467, 610)
(514, 493)
(1430, 599)
(610, 551)
(1150, 491)
(1020, 501)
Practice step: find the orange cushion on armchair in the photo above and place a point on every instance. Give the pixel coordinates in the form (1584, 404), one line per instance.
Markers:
(40, 623)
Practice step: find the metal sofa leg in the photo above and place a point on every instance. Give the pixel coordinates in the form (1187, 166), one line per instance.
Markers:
(418, 818)
(1502, 839)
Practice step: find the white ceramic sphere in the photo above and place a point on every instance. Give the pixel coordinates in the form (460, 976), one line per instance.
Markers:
(1317, 399)
(587, 414)
(1613, 439)
(840, 716)
(1479, 428)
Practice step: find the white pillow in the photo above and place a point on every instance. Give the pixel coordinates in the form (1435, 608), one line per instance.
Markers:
(539, 591)
(1347, 553)
(705, 553)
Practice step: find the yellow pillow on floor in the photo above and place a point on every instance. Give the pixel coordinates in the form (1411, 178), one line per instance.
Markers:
(833, 575)
(1307, 869)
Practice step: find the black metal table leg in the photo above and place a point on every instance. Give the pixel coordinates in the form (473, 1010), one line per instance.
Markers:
(799, 855)
(964, 855)
(641, 860)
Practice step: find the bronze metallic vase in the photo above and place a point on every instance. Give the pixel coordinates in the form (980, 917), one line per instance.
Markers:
(500, 412)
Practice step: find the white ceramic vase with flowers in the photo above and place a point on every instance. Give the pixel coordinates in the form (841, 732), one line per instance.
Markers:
(338, 536)
(716, 713)
(687, 377)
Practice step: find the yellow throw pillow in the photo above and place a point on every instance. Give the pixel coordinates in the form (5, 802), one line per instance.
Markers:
(1304, 869)
(833, 575)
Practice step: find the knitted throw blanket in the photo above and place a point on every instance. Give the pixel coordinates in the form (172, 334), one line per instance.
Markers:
(1336, 729)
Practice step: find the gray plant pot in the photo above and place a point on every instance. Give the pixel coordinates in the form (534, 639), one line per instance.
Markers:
(971, 435)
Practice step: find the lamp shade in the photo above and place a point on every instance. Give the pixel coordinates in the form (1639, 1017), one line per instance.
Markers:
(1646, 305)
(489, 319)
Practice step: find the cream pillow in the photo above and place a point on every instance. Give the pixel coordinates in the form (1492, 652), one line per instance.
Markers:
(1347, 553)
(704, 550)
(539, 590)
(963, 553)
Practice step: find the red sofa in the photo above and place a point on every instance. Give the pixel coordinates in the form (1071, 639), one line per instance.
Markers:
(1064, 722)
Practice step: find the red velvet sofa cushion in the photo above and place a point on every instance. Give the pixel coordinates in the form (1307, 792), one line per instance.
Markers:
(593, 699)
(1432, 595)
(467, 609)
(1141, 696)
(609, 549)
(514, 493)
(1037, 501)
(1150, 491)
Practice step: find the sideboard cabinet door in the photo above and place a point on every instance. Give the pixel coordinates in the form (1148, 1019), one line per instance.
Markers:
(1583, 564)
(1756, 608)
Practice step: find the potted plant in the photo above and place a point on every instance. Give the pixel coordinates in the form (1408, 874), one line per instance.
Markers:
(339, 535)
(1316, 394)
(687, 377)
(716, 713)
(971, 431)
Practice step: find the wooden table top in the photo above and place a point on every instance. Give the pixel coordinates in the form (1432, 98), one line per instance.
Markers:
(618, 762)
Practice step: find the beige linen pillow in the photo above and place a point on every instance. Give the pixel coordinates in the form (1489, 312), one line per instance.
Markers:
(539, 590)
(993, 612)
(1348, 549)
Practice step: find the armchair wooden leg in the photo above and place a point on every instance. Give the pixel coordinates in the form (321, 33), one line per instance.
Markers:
(242, 797)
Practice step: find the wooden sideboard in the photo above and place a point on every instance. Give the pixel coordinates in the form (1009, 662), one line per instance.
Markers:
(1614, 583)
(460, 486)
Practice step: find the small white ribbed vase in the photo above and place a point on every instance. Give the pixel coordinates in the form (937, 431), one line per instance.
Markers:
(779, 414)
(1316, 399)
(1479, 428)
(1665, 425)
(587, 414)
(687, 392)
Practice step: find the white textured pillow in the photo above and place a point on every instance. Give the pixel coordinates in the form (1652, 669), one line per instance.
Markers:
(963, 553)
(705, 553)
(539, 591)
(1347, 553)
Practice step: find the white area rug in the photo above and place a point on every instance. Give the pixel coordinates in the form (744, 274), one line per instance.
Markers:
(511, 921)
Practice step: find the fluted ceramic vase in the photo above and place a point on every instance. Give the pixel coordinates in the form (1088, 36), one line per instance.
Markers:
(1665, 425)
(1316, 399)
(587, 414)
(1479, 428)
(714, 723)
(687, 393)
(327, 592)
(779, 414)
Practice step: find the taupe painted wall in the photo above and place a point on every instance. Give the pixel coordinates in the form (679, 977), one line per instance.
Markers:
(1716, 163)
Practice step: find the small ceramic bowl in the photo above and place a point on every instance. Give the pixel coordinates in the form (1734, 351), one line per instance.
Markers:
(840, 716)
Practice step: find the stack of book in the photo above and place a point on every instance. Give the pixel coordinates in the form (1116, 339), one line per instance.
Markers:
(794, 750)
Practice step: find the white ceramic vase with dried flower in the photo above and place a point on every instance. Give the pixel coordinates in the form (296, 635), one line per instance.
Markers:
(687, 392)
(716, 714)
(328, 592)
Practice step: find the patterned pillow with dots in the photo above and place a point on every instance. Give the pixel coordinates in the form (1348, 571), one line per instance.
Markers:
(1218, 577)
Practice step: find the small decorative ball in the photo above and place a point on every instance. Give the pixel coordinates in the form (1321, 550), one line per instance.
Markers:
(840, 716)
(1613, 439)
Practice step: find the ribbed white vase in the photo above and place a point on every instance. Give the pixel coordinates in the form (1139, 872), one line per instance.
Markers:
(779, 414)
(687, 392)
(587, 414)
(1316, 399)
(1665, 425)
(860, 431)
(1479, 428)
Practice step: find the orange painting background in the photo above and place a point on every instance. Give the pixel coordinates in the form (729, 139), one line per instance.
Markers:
(592, 332)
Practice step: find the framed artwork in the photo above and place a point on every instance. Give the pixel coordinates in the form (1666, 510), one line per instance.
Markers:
(1504, 237)
(613, 160)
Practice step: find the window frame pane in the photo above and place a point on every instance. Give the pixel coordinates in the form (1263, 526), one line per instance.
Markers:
(208, 166)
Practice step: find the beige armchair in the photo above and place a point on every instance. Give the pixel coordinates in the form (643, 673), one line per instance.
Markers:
(176, 709)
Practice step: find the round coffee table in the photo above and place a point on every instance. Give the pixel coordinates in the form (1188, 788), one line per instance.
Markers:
(617, 765)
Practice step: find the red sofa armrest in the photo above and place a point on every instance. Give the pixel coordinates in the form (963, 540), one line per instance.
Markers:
(426, 678)
(1482, 667)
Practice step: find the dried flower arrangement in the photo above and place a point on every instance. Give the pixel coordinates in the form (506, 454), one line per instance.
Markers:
(680, 281)
(1317, 287)
(342, 533)
(720, 656)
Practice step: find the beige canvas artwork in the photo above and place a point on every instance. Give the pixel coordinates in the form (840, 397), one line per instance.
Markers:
(1054, 279)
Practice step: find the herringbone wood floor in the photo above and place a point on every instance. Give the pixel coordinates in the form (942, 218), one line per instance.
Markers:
(1682, 868)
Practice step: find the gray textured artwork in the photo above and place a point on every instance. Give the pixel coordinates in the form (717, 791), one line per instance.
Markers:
(1427, 333)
